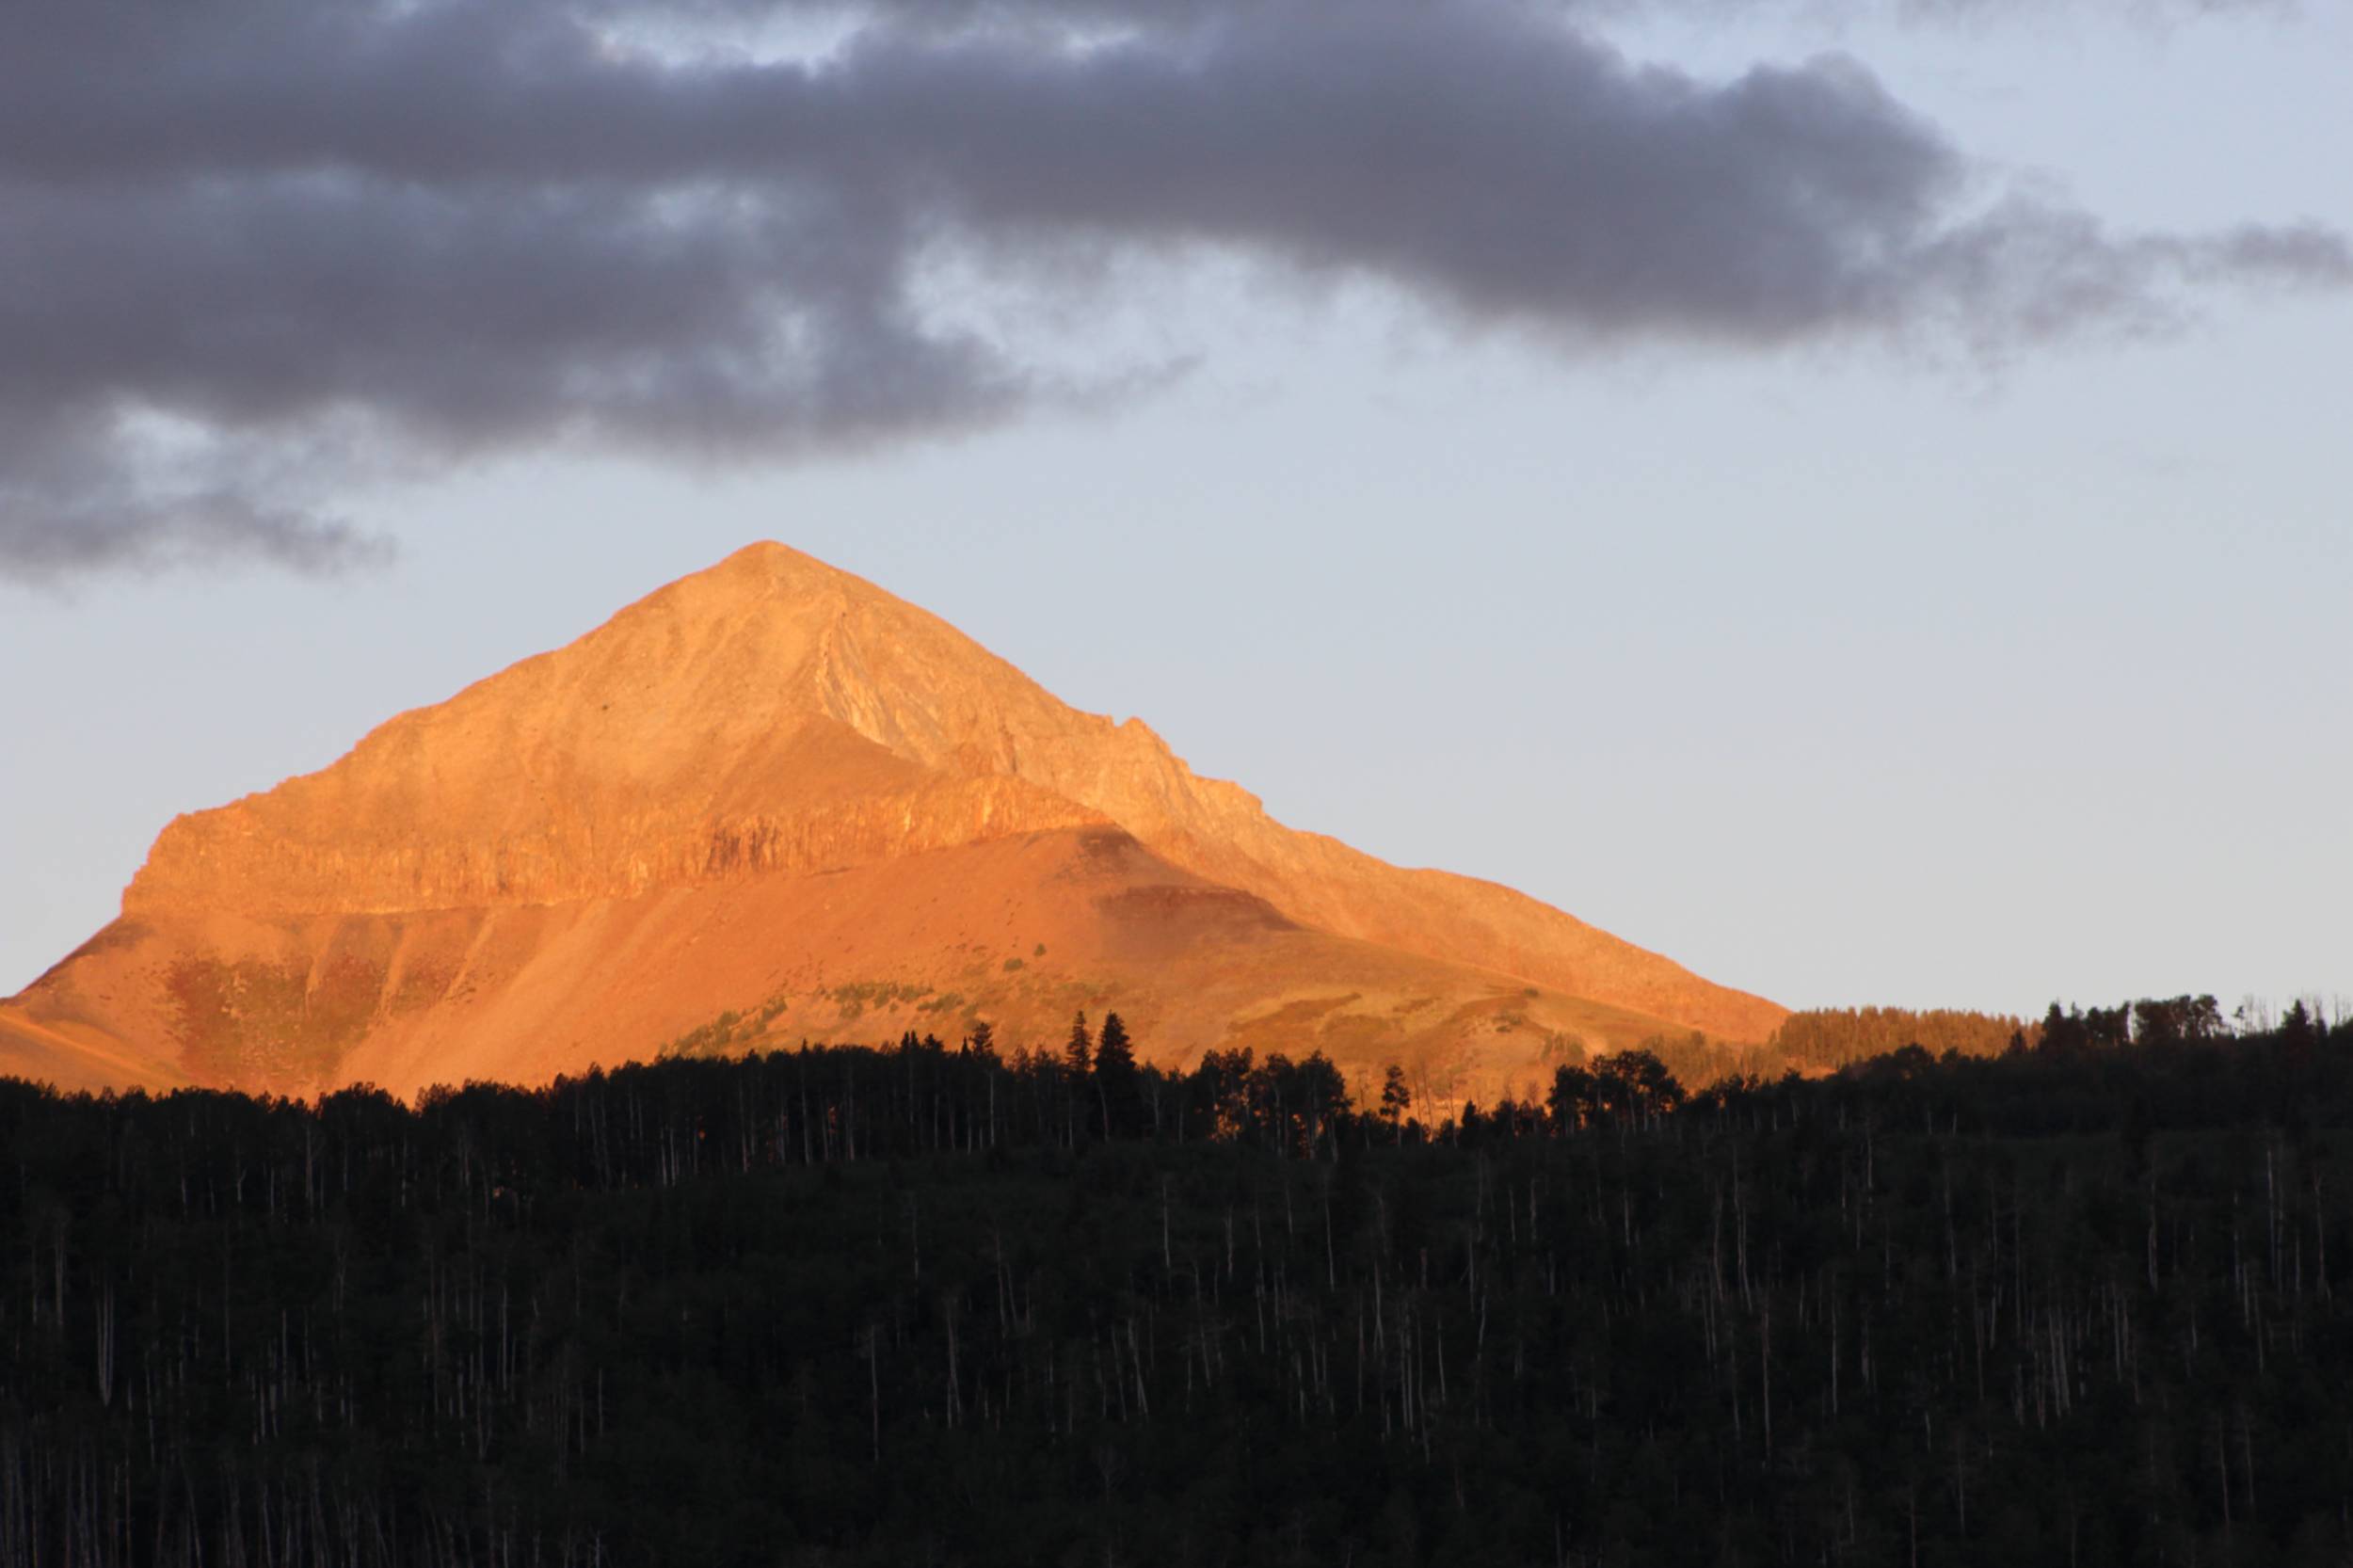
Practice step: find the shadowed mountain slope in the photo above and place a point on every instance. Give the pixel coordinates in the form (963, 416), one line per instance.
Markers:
(773, 790)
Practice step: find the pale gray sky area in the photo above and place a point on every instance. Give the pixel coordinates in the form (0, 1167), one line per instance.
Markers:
(1850, 495)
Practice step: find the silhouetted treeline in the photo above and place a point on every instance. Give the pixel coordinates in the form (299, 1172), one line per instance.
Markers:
(1836, 1037)
(2083, 1300)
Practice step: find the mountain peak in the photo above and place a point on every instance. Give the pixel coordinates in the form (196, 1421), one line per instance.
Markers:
(761, 570)
(770, 701)
(745, 739)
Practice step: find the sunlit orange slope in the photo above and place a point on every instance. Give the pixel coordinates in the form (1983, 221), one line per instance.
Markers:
(773, 790)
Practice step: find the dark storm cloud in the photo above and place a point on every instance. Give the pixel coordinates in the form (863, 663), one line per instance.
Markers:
(244, 243)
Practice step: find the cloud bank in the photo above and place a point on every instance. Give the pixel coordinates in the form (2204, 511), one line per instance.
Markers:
(254, 247)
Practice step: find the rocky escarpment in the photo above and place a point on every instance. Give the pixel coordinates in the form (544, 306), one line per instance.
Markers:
(230, 858)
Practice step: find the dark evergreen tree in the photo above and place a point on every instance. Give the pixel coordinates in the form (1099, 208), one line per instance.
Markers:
(1396, 1100)
(1080, 1100)
(1118, 1098)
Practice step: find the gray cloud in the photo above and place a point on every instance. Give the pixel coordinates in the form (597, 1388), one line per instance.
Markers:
(286, 234)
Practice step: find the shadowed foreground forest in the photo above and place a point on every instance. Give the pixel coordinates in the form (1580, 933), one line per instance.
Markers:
(2079, 1301)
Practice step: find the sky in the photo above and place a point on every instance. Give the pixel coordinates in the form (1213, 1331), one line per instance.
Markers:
(1847, 493)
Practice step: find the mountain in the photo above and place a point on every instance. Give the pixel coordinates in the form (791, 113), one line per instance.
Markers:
(772, 802)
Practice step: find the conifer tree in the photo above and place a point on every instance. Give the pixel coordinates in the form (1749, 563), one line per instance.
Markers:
(1113, 1052)
(1078, 1055)
(1116, 1094)
(1396, 1099)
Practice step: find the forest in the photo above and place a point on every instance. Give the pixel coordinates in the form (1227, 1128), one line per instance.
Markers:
(2078, 1297)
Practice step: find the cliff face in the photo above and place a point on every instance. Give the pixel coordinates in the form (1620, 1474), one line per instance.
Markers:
(769, 722)
(565, 856)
